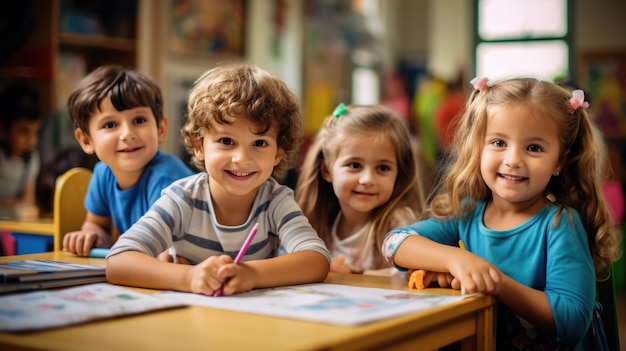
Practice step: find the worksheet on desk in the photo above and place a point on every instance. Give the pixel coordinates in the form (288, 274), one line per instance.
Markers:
(56, 308)
(325, 303)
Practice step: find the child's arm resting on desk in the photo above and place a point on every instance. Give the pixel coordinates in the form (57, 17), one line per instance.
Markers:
(300, 267)
(475, 274)
(134, 268)
(412, 251)
(339, 265)
(137, 269)
(92, 234)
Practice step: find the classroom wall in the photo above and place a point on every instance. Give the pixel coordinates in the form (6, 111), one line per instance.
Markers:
(176, 73)
(598, 26)
(287, 63)
(450, 38)
(406, 23)
(439, 32)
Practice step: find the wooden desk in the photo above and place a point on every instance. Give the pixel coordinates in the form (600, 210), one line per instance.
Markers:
(200, 328)
(30, 236)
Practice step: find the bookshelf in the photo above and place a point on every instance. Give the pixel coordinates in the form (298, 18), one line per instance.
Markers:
(61, 41)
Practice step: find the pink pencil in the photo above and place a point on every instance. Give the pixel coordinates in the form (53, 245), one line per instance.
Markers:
(241, 252)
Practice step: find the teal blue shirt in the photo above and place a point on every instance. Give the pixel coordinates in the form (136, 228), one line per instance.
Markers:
(547, 256)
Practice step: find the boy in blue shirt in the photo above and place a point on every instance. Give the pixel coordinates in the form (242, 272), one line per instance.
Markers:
(118, 115)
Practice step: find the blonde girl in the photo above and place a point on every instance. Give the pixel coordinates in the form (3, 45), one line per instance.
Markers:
(359, 180)
(522, 190)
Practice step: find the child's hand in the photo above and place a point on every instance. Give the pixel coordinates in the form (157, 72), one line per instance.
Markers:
(166, 257)
(203, 277)
(237, 278)
(220, 272)
(80, 242)
(420, 279)
(443, 279)
(475, 274)
(338, 265)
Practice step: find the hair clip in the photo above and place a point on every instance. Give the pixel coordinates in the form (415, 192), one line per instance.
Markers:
(577, 100)
(340, 110)
(479, 83)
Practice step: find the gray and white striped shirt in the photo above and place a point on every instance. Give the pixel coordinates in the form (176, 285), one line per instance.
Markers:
(184, 217)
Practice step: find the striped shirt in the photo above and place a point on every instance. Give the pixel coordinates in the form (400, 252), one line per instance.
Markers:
(184, 218)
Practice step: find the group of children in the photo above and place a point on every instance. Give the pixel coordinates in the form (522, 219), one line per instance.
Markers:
(521, 188)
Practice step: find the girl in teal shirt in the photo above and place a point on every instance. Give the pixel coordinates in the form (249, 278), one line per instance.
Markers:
(522, 191)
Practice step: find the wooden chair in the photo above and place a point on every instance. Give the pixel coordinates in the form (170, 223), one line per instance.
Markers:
(69, 210)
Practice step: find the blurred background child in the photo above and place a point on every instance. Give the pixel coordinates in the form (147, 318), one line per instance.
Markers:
(359, 180)
(20, 123)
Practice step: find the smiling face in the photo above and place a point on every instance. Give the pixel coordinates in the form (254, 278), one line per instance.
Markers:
(364, 173)
(125, 140)
(521, 153)
(236, 159)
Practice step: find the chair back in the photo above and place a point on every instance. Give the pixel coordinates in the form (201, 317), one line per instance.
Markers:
(608, 299)
(69, 210)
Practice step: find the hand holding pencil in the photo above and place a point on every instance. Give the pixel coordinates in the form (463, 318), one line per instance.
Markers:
(241, 253)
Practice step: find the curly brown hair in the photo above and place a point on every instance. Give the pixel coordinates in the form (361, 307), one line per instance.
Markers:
(236, 90)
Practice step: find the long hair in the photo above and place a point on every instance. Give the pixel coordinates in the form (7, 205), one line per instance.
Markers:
(583, 156)
(316, 196)
(236, 90)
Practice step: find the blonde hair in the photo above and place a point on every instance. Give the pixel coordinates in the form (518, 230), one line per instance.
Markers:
(235, 90)
(583, 157)
(316, 196)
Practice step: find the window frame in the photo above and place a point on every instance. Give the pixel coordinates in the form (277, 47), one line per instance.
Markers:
(568, 39)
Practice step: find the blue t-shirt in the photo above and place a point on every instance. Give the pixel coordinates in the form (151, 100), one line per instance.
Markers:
(125, 207)
(544, 255)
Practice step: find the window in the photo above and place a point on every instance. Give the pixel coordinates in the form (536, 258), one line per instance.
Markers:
(523, 37)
